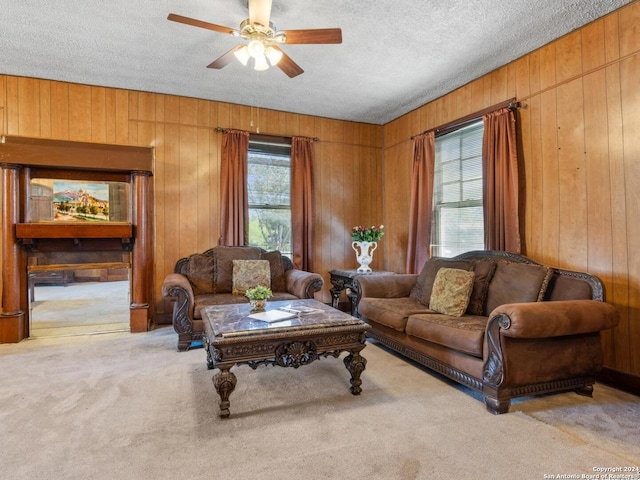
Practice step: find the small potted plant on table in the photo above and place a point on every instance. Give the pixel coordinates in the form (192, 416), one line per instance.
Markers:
(258, 297)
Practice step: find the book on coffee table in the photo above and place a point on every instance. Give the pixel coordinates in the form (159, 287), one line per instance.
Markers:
(299, 310)
(273, 315)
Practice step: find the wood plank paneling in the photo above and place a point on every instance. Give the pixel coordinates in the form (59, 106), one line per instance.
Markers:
(535, 182)
(568, 56)
(60, 110)
(3, 109)
(12, 100)
(80, 113)
(630, 96)
(599, 241)
(29, 112)
(629, 29)
(121, 117)
(593, 46)
(550, 206)
(572, 192)
(45, 109)
(203, 181)
(98, 115)
(618, 291)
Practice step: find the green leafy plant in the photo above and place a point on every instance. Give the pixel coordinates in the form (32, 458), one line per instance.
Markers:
(369, 234)
(259, 292)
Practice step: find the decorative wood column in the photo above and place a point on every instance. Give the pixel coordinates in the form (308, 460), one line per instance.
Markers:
(142, 255)
(13, 327)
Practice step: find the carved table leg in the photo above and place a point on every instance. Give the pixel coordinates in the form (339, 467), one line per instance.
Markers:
(356, 364)
(205, 343)
(225, 383)
(352, 295)
(335, 295)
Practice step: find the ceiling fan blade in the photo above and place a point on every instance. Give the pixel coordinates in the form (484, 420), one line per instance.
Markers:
(287, 65)
(199, 23)
(225, 59)
(260, 12)
(318, 35)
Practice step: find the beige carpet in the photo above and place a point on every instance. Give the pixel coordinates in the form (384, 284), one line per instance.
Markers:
(128, 406)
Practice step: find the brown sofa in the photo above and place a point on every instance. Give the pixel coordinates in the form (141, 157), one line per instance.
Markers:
(204, 279)
(527, 329)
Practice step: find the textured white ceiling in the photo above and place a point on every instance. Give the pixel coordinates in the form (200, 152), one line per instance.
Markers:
(396, 55)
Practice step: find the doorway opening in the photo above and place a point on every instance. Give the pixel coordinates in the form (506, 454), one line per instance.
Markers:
(79, 308)
(78, 292)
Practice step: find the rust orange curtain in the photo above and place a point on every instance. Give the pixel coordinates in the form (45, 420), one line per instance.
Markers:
(234, 199)
(302, 202)
(421, 201)
(500, 164)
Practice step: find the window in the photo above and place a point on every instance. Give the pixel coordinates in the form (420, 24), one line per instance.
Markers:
(269, 190)
(458, 219)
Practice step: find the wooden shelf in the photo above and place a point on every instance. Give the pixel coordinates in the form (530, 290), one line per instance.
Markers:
(76, 266)
(74, 230)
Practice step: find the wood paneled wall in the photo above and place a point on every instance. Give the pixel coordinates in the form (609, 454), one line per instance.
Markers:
(348, 161)
(579, 136)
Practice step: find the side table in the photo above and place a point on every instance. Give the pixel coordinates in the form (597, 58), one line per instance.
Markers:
(343, 280)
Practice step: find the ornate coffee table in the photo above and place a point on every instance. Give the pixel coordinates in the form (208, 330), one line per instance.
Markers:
(233, 338)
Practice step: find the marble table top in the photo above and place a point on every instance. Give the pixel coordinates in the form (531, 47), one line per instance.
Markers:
(234, 320)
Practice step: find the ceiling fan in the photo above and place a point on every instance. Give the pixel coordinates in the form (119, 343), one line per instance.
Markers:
(263, 39)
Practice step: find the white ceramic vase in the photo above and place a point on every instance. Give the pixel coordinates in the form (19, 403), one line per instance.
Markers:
(364, 254)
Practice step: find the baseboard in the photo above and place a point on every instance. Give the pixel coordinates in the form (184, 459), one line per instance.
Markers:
(620, 380)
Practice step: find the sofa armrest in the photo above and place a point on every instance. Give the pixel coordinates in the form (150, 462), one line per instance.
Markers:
(303, 284)
(554, 319)
(386, 286)
(176, 287)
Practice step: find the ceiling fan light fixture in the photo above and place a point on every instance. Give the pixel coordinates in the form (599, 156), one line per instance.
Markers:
(260, 63)
(273, 55)
(256, 48)
(242, 55)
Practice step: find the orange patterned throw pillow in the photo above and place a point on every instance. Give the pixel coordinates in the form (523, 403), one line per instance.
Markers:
(250, 273)
(451, 291)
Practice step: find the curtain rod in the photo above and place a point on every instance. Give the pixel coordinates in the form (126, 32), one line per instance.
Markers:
(220, 129)
(512, 104)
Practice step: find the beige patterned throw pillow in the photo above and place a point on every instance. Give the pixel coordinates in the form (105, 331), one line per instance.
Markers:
(451, 291)
(250, 273)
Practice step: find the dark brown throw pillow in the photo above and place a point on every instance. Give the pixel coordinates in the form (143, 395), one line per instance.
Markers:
(201, 272)
(517, 283)
(429, 272)
(484, 270)
(416, 291)
(278, 283)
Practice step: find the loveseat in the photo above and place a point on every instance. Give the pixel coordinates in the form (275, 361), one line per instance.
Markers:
(221, 275)
(523, 329)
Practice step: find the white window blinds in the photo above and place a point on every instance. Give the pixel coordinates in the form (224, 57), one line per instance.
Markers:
(458, 221)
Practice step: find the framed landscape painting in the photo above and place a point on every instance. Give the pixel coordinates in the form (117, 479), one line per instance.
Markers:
(78, 201)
